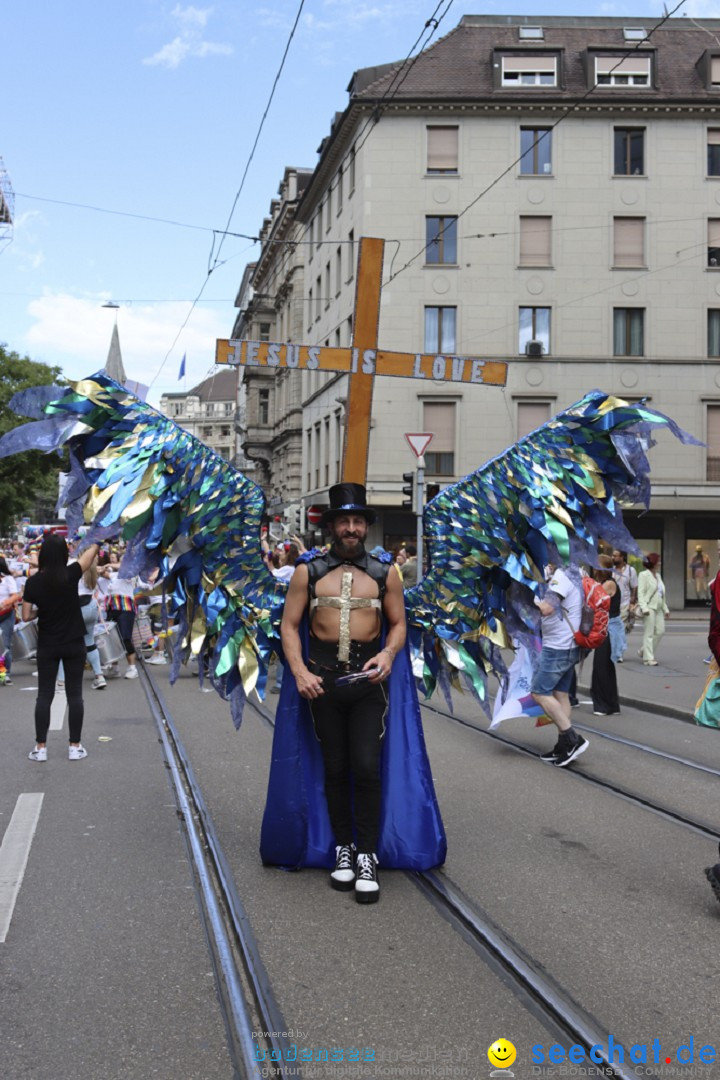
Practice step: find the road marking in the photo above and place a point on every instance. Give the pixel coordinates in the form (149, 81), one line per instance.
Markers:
(14, 852)
(57, 710)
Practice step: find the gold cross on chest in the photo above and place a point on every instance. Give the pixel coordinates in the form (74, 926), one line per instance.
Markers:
(363, 361)
(347, 603)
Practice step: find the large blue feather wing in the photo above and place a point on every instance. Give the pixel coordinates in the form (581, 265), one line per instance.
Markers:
(183, 509)
(549, 498)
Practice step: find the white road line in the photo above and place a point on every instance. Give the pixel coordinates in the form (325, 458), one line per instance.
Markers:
(57, 710)
(14, 852)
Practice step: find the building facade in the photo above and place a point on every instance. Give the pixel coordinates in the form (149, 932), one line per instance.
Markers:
(208, 412)
(270, 307)
(549, 194)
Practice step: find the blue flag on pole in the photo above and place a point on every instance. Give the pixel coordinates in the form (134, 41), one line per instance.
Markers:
(182, 367)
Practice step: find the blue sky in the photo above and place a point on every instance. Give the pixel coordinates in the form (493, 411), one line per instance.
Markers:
(151, 108)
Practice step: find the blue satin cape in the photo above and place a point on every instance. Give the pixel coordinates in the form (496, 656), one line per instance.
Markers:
(296, 828)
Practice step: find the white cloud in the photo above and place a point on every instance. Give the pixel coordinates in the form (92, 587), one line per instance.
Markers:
(74, 333)
(189, 41)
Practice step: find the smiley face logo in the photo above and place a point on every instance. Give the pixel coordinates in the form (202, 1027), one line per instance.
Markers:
(501, 1054)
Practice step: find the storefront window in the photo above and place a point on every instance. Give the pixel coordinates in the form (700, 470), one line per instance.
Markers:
(701, 566)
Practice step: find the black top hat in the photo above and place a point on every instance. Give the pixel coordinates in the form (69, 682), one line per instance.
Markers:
(347, 499)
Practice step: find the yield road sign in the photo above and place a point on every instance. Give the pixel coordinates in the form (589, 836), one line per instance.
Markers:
(419, 441)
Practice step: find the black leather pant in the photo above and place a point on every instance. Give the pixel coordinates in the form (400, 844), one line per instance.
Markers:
(349, 724)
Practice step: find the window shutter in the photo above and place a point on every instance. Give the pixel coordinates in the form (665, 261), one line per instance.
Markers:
(529, 63)
(629, 249)
(713, 431)
(439, 417)
(714, 232)
(530, 415)
(442, 148)
(637, 65)
(535, 241)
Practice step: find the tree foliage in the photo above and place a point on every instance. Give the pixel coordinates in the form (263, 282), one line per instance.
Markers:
(30, 479)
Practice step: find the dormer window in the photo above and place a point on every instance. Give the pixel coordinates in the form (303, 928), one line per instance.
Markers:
(634, 33)
(531, 33)
(622, 71)
(530, 70)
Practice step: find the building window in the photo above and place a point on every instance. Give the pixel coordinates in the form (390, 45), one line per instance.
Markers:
(338, 445)
(629, 151)
(229, 408)
(351, 255)
(534, 331)
(317, 455)
(223, 451)
(263, 406)
(713, 335)
(441, 240)
(328, 209)
(439, 417)
(628, 332)
(338, 337)
(318, 225)
(531, 33)
(535, 241)
(622, 71)
(351, 171)
(536, 151)
(318, 296)
(529, 70)
(349, 326)
(440, 325)
(714, 242)
(531, 415)
(713, 152)
(628, 241)
(210, 409)
(442, 149)
(339, 189)
(338, 271)
(712, 439)
(207, 432)
(310, 309)
(224, 432)
(328, 286)
(264, 331)
(326, 454)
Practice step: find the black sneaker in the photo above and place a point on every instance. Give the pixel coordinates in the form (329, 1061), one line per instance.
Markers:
(550, 755)
(342, 877)
(367, 886)
(712, 873)
(572, 747)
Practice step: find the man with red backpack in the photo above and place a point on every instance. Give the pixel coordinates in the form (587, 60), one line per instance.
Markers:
(561, 611)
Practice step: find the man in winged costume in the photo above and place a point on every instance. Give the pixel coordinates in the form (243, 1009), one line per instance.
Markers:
(347, 592)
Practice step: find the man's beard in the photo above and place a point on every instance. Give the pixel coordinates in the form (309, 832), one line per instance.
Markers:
(342, 548)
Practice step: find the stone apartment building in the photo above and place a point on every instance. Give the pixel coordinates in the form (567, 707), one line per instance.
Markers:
(549, 194)
(208, 412)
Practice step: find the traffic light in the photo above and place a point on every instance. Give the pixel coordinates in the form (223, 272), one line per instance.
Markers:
(431, 490)
(408, 490)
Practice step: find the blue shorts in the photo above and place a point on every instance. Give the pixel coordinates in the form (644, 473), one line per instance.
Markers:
(555, 670)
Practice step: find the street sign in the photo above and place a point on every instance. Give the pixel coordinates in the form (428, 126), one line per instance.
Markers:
(419, 442)
(314, 515)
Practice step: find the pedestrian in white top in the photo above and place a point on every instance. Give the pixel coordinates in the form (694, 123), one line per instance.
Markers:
(560, 608)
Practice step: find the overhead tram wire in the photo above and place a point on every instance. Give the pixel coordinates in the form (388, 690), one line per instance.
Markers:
(571, 108)
(214, 263)
(259, 131)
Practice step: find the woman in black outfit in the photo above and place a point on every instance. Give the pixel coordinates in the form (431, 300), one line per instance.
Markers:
(604, 688)
(61, 633)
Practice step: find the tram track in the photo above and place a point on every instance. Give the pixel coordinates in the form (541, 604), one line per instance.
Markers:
(541, 994)
(702, 828)
(244, 990)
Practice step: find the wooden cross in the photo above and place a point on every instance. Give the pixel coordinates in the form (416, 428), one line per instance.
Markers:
(363, 360)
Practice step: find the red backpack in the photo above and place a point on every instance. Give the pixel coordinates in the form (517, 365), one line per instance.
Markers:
(594, 617)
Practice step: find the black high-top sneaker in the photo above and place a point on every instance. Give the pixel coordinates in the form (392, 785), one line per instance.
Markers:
(367, 886)
(342, 877)
(570, 746)
(712, 873)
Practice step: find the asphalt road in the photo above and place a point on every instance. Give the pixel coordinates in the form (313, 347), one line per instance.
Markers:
(105, 972)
